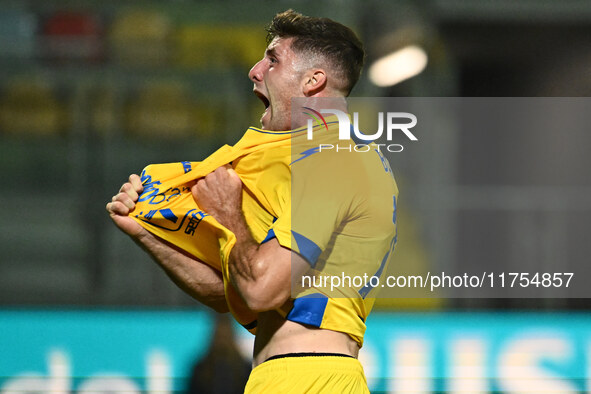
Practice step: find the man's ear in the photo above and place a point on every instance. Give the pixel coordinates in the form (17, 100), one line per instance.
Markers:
(314, 82)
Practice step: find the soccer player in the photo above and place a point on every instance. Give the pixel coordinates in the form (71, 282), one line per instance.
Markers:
(306, 342)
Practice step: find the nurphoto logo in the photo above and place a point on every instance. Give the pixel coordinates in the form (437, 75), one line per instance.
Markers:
(388, 124)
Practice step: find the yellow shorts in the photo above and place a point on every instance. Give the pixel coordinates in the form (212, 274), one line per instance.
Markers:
(308, 374)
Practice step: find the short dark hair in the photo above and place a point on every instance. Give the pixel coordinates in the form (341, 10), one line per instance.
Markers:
(323, 37)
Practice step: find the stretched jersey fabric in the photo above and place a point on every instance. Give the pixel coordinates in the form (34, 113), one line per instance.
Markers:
(167, 209)
(335, 208)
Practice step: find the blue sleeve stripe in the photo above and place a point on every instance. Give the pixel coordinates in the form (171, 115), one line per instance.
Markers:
(270, 236)
(308, 249)
(270, 233)
(308, 310)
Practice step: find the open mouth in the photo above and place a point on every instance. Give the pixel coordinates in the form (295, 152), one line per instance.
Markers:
(263, 98)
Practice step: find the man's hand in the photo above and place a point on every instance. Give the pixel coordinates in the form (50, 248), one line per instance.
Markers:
(260, 273)
(123, 204)
(220, 195)
(193, 276)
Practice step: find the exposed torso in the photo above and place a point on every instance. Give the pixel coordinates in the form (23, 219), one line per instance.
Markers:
(276, 336)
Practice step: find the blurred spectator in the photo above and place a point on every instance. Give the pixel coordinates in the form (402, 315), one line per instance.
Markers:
(17, 34)
(141, 38)
(72, 36)
(30, 106)
(161, 109)
(222, 370)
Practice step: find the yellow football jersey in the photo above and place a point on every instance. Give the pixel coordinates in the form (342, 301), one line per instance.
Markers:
(167, 209)
(342, 220)
(335, 208)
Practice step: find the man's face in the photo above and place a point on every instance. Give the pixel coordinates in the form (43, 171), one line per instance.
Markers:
(276, 82)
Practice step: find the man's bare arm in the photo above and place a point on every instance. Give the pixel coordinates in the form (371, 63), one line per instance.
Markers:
(262, 274)
(196, 278)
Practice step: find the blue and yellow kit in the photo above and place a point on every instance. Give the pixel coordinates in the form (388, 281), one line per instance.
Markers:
(336, 208)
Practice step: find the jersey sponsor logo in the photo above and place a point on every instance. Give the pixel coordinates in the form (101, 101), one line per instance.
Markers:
(167, 220)
(152, 192)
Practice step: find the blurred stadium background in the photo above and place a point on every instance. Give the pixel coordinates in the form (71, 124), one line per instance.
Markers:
(91, 91)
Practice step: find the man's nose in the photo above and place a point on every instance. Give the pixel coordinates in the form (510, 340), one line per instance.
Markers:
(256, 72)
